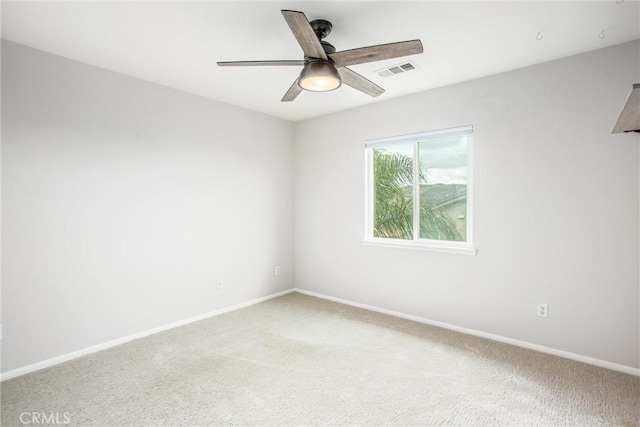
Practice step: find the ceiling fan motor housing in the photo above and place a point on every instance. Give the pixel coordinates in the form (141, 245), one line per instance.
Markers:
(328, 47)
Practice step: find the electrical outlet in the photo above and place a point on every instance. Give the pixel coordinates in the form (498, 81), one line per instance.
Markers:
(277, 270)
(219, 285)
(543, 310)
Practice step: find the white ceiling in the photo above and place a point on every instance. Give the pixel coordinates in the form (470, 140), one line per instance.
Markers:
(177, 44)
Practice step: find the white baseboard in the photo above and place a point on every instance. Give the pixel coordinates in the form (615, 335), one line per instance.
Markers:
(518, 343)
(74, 355)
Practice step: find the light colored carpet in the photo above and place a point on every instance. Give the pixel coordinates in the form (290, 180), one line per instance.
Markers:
(298, 360)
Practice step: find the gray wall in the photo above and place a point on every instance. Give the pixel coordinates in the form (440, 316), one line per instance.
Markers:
(124, 202)
(555, 208)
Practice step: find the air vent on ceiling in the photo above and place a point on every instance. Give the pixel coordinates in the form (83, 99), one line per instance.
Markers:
(397, 69)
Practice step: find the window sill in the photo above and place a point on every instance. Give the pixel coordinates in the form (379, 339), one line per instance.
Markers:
(451, 248)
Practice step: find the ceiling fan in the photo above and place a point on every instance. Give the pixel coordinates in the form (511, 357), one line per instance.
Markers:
(324, 69)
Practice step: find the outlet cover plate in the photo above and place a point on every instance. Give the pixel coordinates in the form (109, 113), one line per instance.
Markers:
(543, 310)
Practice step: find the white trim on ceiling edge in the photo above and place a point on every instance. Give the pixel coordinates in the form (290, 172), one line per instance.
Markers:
(524, 344)
(93, 349)
(76, 354)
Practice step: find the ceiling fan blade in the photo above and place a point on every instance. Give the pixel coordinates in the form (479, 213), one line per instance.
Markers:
(259, 63)
(305, 35)
(376, 53)
(292, 93)
(356, 81)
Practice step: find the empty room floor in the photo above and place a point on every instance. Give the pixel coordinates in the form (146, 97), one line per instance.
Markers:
(299, 360)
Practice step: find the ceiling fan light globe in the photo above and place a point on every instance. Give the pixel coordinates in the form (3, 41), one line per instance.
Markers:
(319, 84)
(319, 76)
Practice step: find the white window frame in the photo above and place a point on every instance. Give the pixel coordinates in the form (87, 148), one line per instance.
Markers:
(467, 247)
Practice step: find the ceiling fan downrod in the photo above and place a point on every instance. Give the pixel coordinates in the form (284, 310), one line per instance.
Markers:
(323, 28)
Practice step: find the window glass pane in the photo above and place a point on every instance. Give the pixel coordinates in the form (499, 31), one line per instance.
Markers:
(393, 191)
(443, 189)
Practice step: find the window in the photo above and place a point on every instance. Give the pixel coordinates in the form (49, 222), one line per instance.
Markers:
(419, 190)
